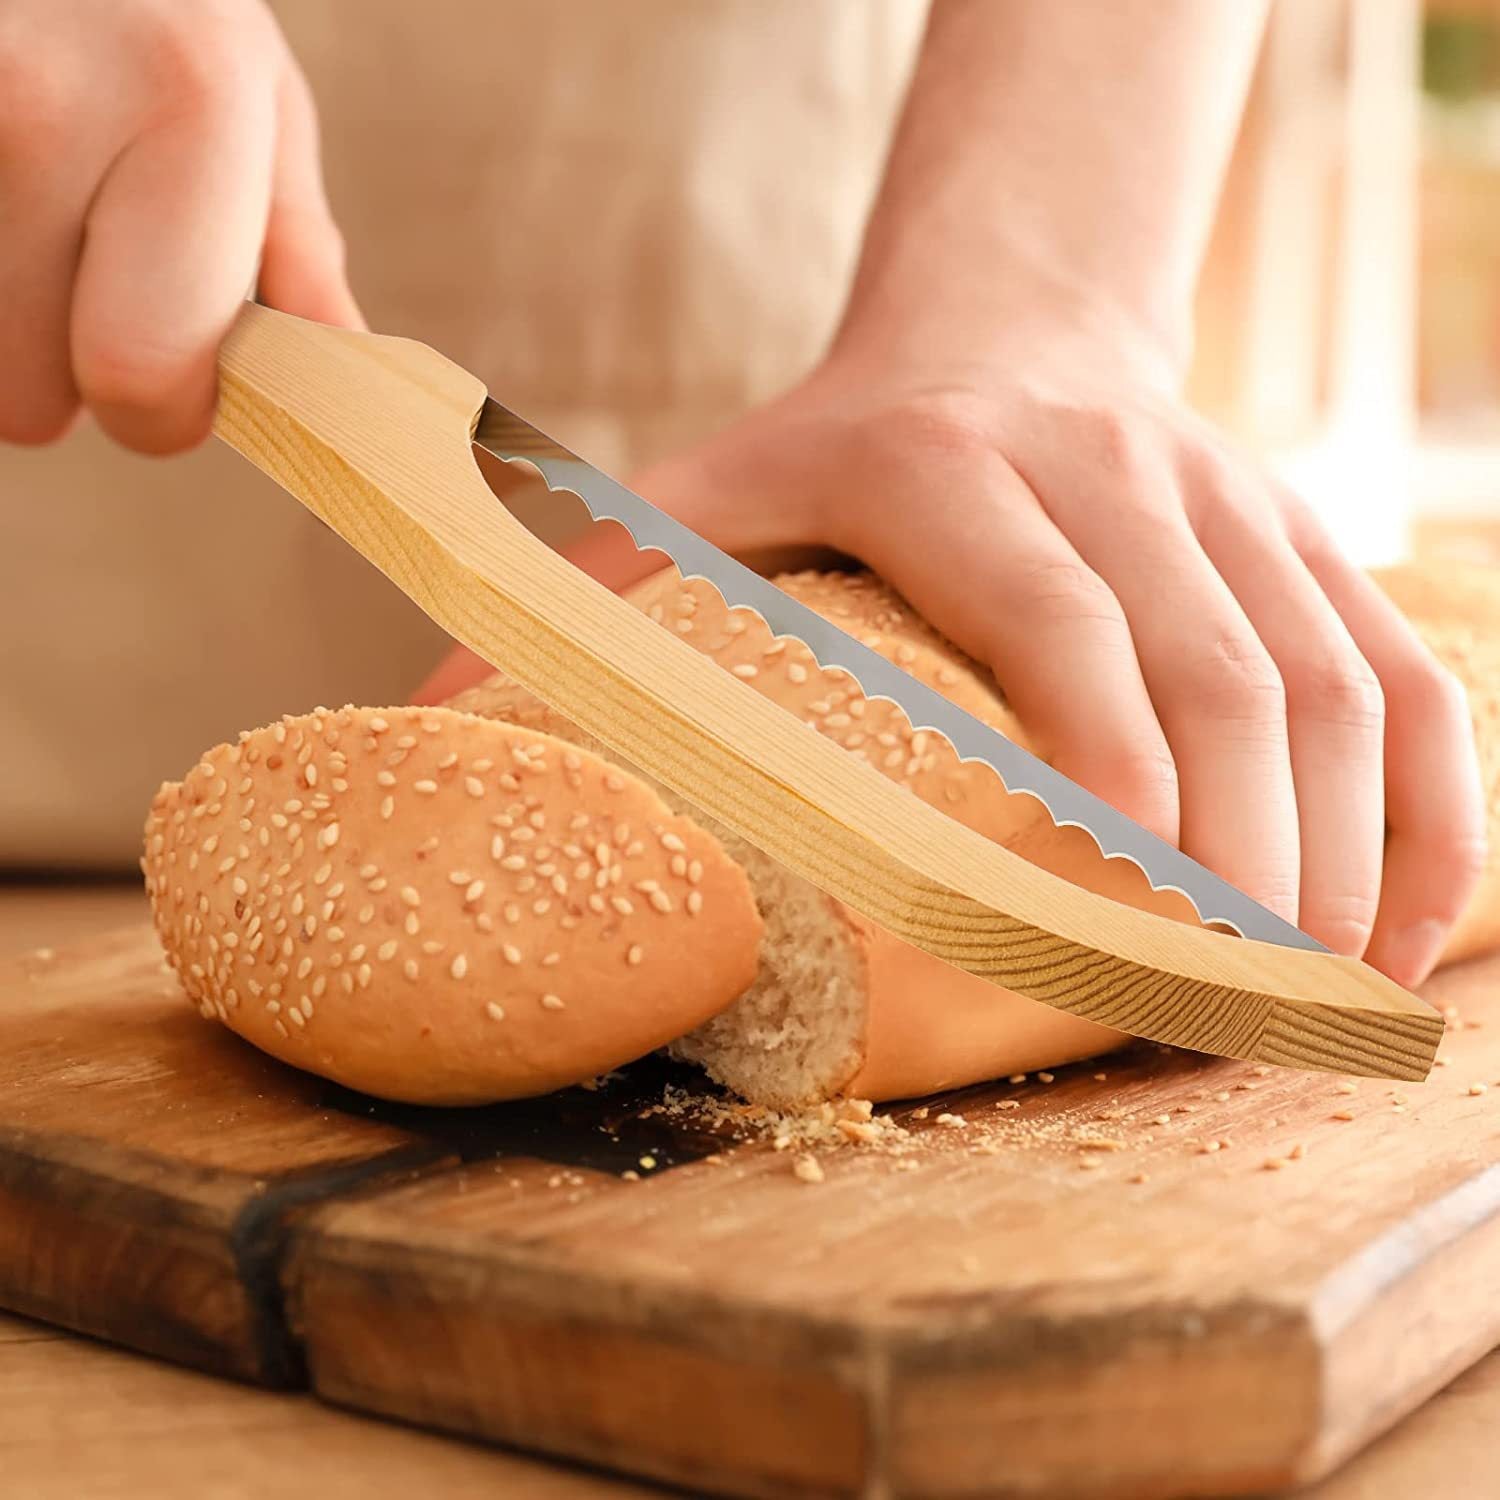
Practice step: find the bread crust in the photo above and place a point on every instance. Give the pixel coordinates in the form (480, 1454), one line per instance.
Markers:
(439, 908)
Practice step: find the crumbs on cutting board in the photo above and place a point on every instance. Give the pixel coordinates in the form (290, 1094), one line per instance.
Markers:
(1120, 1131)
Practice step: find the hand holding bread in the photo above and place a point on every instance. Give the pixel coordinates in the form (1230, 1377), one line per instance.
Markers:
(313, 870)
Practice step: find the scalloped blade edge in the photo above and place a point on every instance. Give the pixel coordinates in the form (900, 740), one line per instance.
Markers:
(512, 439)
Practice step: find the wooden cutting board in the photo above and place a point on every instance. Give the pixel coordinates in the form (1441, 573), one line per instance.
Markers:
(1066, 1291)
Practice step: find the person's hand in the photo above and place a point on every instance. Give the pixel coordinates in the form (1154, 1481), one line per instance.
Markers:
(1175, 629)
(150, 152)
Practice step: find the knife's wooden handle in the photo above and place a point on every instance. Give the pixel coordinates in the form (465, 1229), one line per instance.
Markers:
(374, 436)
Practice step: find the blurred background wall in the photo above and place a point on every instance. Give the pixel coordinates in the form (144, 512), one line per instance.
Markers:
(1349, 314)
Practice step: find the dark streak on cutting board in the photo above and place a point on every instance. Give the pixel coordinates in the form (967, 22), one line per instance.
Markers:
(1016, 1323)
(150, 1163)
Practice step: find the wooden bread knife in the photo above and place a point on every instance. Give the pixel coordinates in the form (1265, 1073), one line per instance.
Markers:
(375, 435)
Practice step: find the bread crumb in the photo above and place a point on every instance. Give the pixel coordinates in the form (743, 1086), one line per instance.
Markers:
(954, 1122)
(1476, 1089)
(1343, 1114)
(1137, 1178)
(1046, 1077)
(1347, 1088)
(807, 1169)
(1273, 1164)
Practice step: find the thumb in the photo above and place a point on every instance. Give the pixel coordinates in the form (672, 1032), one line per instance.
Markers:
(302, 261)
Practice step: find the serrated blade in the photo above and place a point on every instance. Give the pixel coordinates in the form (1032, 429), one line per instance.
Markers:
(512, 439)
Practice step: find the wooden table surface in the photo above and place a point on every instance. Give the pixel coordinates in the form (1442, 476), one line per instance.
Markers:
(80, 1418)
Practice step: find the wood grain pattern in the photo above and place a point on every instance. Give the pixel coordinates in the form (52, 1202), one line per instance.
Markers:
(149, 1162)
(1039, 1321)
(372, 434)
(85, 1419)
(85, 1422)
(1019, 1319)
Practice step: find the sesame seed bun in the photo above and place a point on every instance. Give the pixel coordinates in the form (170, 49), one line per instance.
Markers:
(1455, 608)
(839, 1006)
(439, 908)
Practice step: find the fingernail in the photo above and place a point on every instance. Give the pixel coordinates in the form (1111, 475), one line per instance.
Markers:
(1411, 953)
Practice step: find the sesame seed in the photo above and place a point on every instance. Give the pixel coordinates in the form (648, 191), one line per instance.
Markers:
(551, 960)
(410, 969)
(673, 842)
(329, 836)
(459, 967)
(319, 985)
(551, 1002)
(378, 725)
(614, 783)
(425, 787)
(473, 786)
(410, 895)
(512, 953)
(413, 924)
(621, 905)
(495, 1012)
(634, 954)
(694, 903)
(497, 846)
(473, 891)
(745, 670)
(387, 807)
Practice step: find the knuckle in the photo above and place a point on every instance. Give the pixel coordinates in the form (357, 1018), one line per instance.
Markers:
(1116, 439)
(202, 50)
(1343, 922)
(1236, 679)
(39, 110)
(942, 425)
(1438, 695)
(1337, 687)
(1144, 786)
(1067, 589)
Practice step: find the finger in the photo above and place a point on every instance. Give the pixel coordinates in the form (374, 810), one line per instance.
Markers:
(1216, 690)
(1434, 795)
(169, 251)
(39, 249)
(1335, 707)
(302, 264)
(990, 571)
